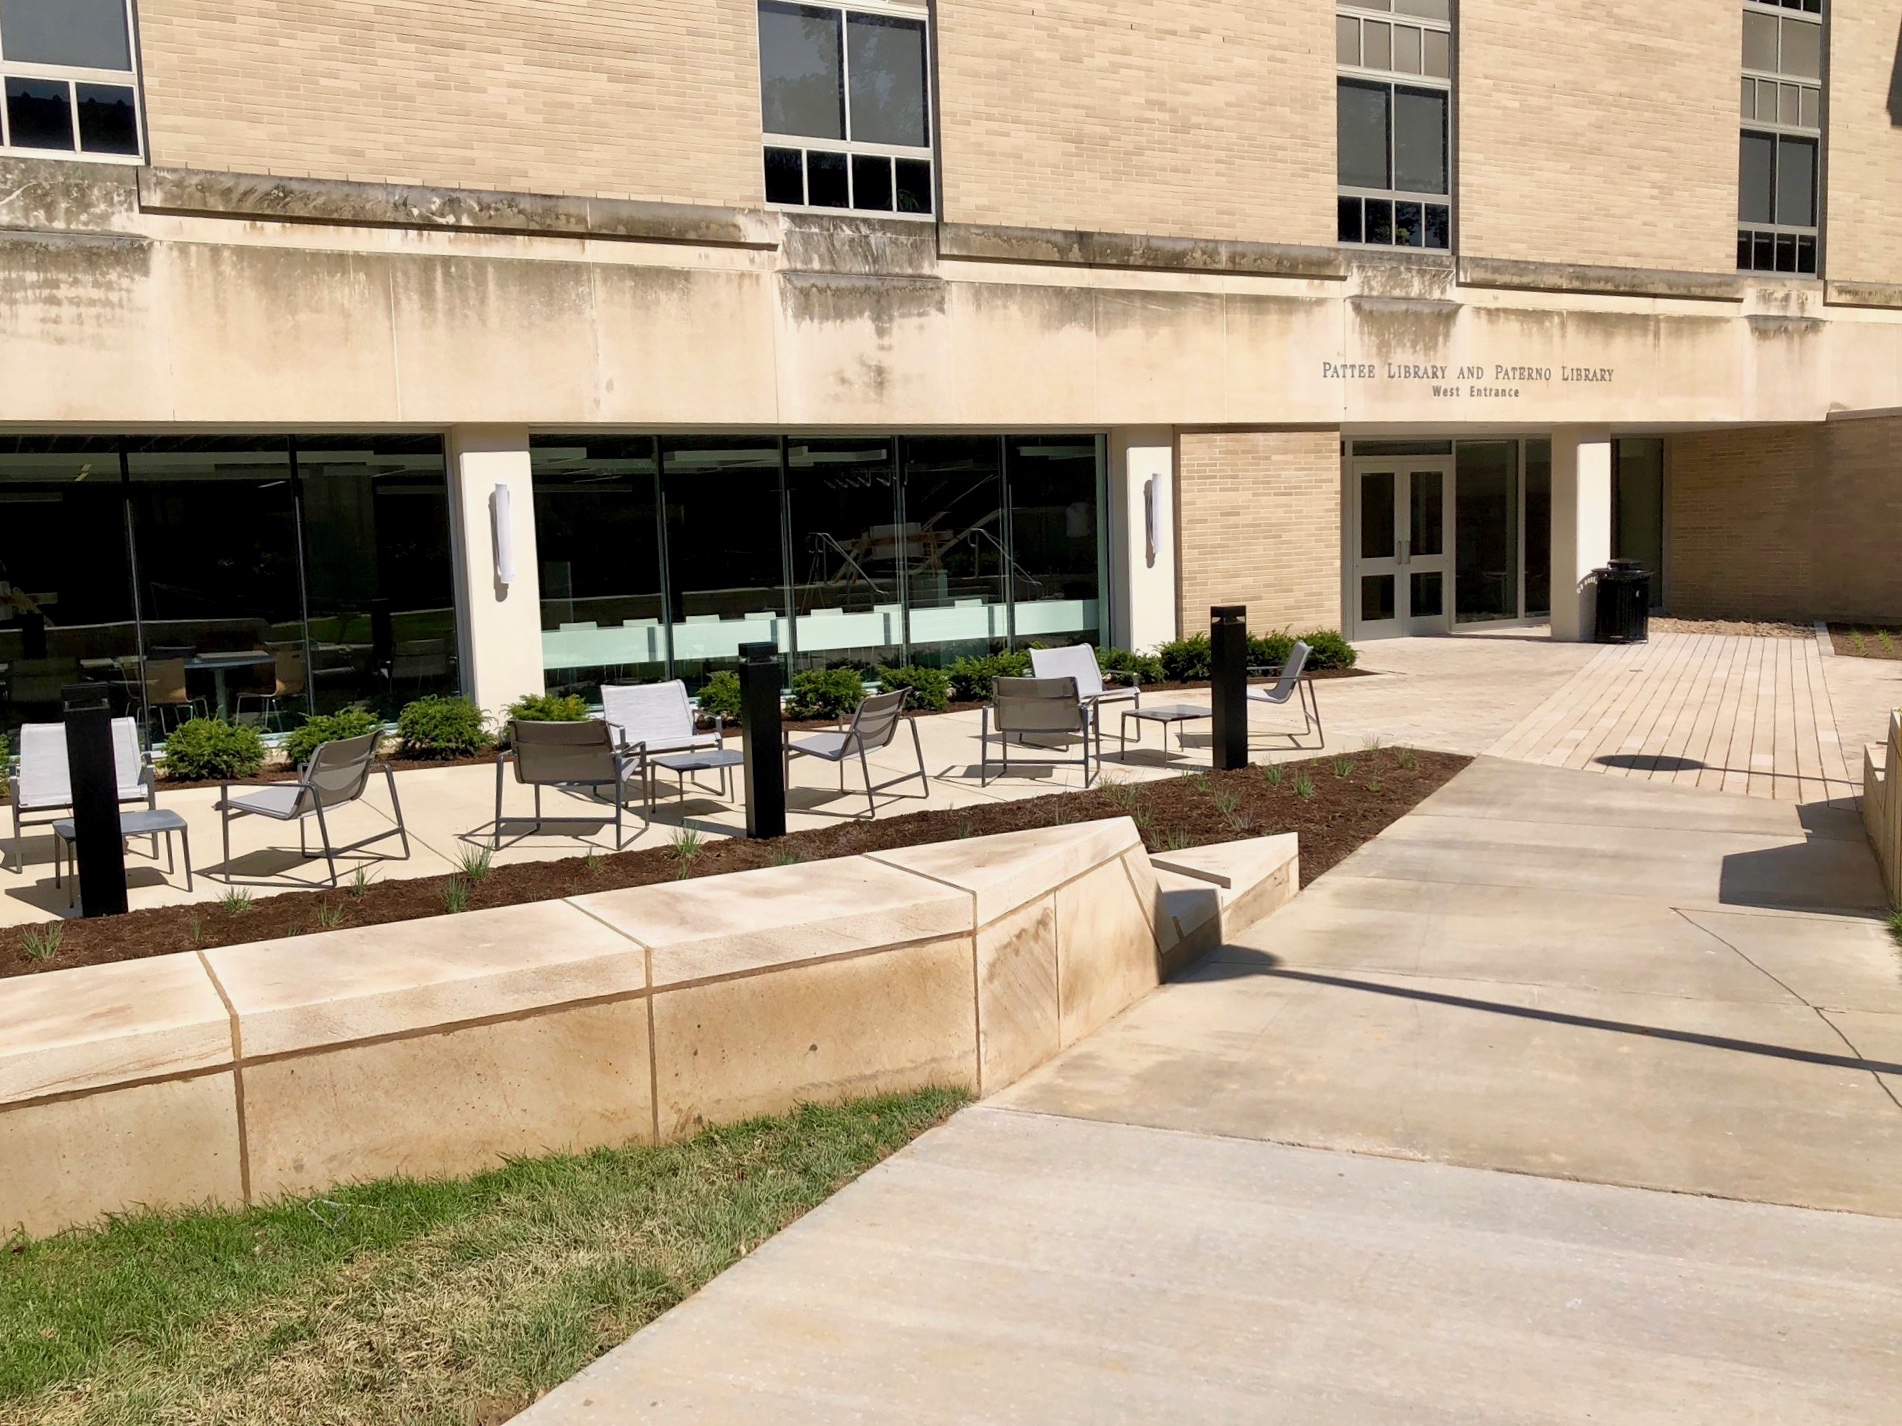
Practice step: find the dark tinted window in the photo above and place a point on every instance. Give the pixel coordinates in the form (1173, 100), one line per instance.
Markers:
(39, 114)
(107, 120)
(888, 80)
(1756, 174)
(1363, 133)
(1796, 181)
(1419, 140)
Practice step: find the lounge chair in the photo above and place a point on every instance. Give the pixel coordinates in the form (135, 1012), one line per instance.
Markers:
(565, 755)
(649, 719)
(41, 782)
(1293, 684)
(1037, 708)
(874, 726)
(1078, 661)
(337, 774)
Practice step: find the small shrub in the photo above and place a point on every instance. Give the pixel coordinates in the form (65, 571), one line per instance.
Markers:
(476, 863)
(439, 727)
(1343, 767)
(1135, 668)
(196, 929)
(594, 863)
(1177, 841)
(1404, 756)
(359, 883)
(550, 708)
(209, 750)
(329, 914)
(721, 697)
(1895, 927)
(1269, 650)
(6, 756)
(235, 902)
(825, 693)
(1185, 660)
(1126, 795)
(1327, 649)
(786, 857)
(455, 894)
(972, 678)
(930, 688)
(1274, 774)
(1304, 787)
(328, 728)
(41, 943)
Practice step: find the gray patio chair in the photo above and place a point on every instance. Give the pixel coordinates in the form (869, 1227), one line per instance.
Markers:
(874, 727)
(41, 783)
(650, 719)
(1293, 684)
(1078, 661)
(564, 755)
(1035, 708)
(337, 774)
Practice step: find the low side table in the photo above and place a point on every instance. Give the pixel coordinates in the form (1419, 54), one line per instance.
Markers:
(685, 765)
(1163, 713)
(152, 822)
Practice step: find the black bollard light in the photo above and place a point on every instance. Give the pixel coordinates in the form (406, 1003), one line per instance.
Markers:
(759, 727)
(99, 848)
(1228, 683)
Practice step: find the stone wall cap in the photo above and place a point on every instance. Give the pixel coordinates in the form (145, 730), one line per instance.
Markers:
(372, 982)
(346, 202)
(95, 1026)
(1232, 865)
(1005, 871)
(1077, 248)
(1526, 276)
(1862, 294)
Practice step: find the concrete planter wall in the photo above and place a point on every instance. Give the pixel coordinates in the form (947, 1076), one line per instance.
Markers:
(439, 1046)
(1882, 807)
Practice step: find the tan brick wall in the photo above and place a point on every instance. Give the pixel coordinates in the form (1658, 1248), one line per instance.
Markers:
(1601, 132)
(1198, 118)
(653, 99)
(1259, 523)
(1864, 134)
(1787, 522)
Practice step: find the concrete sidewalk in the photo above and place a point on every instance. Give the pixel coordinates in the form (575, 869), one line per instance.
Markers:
(1274, 1191)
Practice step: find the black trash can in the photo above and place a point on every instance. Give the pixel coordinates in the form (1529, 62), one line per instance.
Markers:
(1624, 603)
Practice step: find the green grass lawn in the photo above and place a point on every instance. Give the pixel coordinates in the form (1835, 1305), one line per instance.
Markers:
(452, 1301)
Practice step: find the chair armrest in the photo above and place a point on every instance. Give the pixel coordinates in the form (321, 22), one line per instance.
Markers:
(719, 730)
(1109, 673)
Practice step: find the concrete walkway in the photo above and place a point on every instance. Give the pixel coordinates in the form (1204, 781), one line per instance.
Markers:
(1570, 1098)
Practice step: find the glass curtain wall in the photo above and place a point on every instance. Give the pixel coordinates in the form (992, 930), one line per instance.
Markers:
(380, 583)
(843, 537)
(725, 556)
(839, 550)
(68, 624)
(1056, 538)
(1486, 534)
(953, 545)
(257, 578)
(597, 525)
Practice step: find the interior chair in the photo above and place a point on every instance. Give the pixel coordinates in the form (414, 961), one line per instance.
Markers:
(566, 756)
(165, 694)
(874, 726)
(288, 681)
(1293, 684)
(1039, 708)
(41, 784)
(337, 774)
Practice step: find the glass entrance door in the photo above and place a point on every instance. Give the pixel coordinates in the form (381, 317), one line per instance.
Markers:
(1402, 566)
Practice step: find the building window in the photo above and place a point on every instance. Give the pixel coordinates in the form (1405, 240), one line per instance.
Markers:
(1781, 143)
(851, 89)
(66, 66)
(1394, 106)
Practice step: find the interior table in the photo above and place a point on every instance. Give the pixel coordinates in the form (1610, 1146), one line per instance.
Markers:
(219, 664)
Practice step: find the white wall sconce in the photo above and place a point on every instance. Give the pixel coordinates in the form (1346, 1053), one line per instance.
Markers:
(1151, 495)
(504, 532)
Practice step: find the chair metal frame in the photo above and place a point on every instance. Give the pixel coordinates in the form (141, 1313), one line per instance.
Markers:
(599, 737)
(311, 799)
(123, 730)
(667, 702)
(857, 739)
(1053, 693)
(1293, 684)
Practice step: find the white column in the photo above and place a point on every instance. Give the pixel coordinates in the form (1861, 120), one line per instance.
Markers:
(498, 581)
(1581, 525)
(1142, 536)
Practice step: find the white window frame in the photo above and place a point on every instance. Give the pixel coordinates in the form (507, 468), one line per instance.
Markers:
(928, 154)
(71, 75)
(1774, 127)
(1393, 78)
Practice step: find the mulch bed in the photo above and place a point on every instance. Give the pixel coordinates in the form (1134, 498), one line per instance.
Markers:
(1334, 803)
(1867, 641)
